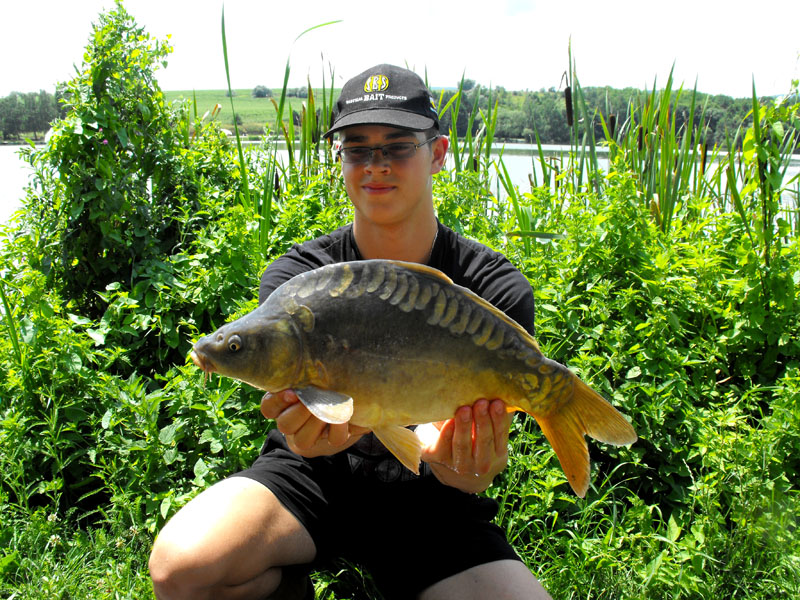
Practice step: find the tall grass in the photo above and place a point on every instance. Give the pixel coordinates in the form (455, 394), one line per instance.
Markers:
(312, 125)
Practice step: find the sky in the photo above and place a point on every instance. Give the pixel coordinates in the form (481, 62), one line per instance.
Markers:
(722, 45)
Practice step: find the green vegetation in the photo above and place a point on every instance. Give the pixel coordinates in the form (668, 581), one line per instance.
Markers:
(254, 113)
(669, 285)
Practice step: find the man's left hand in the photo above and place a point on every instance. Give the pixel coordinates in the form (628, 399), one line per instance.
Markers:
(472, 447)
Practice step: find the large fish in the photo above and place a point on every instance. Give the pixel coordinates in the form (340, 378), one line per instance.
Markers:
(386, 344)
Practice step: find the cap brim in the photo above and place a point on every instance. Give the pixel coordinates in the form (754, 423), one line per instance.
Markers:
(388, 117)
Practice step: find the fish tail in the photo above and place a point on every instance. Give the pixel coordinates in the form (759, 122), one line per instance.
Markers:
(587, 413)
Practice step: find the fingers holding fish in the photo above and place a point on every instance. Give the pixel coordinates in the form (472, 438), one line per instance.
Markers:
(501, 424)
(463, 459)
(273, 404)
(480, 444)
(302, 430)
(338, 434)
(306, 434)
(472, 447)
(483, 446)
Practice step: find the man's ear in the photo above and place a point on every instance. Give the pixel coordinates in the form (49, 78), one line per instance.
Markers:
(439, 148)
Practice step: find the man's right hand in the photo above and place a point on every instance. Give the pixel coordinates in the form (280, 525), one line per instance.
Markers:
(305, 434)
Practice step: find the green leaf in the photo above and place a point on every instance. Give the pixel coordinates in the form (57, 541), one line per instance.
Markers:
(27, 330)
(106, 420)
(166, 503)
(9, 563)
(167, 434)
(170, 455)
(78, 320)
(98, 335)
(200, 469)
(673, 529)
(634, 372)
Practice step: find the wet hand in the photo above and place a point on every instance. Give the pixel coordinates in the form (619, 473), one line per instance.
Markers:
(305, 434)
(472, 448)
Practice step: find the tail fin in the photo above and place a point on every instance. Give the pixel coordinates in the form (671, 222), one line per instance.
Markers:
(586, 413)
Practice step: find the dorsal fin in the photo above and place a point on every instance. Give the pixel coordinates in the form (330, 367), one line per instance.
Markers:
(423, 269)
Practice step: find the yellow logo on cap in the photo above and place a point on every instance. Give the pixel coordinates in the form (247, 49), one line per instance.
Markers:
(376, 83)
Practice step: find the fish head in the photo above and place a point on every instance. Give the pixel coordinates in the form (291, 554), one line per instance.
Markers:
(264, 351)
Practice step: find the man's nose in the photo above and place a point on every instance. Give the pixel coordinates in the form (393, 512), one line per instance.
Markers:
(377, 158)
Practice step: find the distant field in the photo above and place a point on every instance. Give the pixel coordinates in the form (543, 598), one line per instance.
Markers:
(255, 113)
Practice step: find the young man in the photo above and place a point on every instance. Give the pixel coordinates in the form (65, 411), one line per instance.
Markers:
(319, 491)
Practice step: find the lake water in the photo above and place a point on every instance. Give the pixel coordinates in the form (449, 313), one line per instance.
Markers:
(14, 173)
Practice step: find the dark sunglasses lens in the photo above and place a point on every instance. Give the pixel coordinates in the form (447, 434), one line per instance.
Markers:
(355, 155)
(359, 154)
(399, 150)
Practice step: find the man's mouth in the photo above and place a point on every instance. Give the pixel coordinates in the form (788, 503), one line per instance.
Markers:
(377, 188)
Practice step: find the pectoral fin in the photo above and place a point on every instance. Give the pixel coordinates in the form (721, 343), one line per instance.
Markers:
(403, 443)
(326, 405)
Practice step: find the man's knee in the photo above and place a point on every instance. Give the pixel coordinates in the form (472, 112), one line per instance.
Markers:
(174, 572)
(231, 536)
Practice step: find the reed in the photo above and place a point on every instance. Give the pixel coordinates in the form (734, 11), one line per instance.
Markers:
(665, 147)
(11, 328)
(244, 188)
(302, 154)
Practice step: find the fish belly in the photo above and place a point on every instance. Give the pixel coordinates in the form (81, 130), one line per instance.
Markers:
(404, 391)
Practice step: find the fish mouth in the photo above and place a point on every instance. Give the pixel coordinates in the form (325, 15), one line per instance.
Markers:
(203, 362)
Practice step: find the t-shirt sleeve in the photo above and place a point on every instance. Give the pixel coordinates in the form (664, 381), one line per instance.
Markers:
(301, 258)
(508, 290)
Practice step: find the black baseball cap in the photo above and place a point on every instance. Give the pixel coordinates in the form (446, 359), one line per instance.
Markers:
(385, 95)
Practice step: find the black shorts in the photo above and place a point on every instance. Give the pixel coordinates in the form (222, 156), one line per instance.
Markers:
(409, 533)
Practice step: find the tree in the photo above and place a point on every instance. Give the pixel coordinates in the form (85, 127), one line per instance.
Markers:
(262, 91)
(12, 115)
(40, 110)
(120, 186)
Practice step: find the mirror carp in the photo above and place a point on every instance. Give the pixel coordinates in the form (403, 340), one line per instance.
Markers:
(386, 344)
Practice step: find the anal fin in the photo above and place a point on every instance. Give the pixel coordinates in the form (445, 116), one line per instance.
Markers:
(566, 437)
(403, 443)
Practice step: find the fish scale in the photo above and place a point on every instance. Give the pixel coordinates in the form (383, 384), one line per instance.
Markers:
(400, 289)
(385, 344)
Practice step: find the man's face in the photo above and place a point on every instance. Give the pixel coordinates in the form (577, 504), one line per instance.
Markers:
(390, 192)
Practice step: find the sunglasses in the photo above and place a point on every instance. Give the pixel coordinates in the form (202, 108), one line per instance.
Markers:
(393, 151)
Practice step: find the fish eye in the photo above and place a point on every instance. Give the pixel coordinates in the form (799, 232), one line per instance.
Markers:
(235, 343)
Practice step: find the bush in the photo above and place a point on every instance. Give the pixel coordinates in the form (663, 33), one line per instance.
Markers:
(262, 91)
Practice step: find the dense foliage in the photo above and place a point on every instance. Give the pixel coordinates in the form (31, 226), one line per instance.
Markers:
(144, 229)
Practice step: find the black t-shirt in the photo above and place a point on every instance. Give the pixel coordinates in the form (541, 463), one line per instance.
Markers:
(468, 263)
